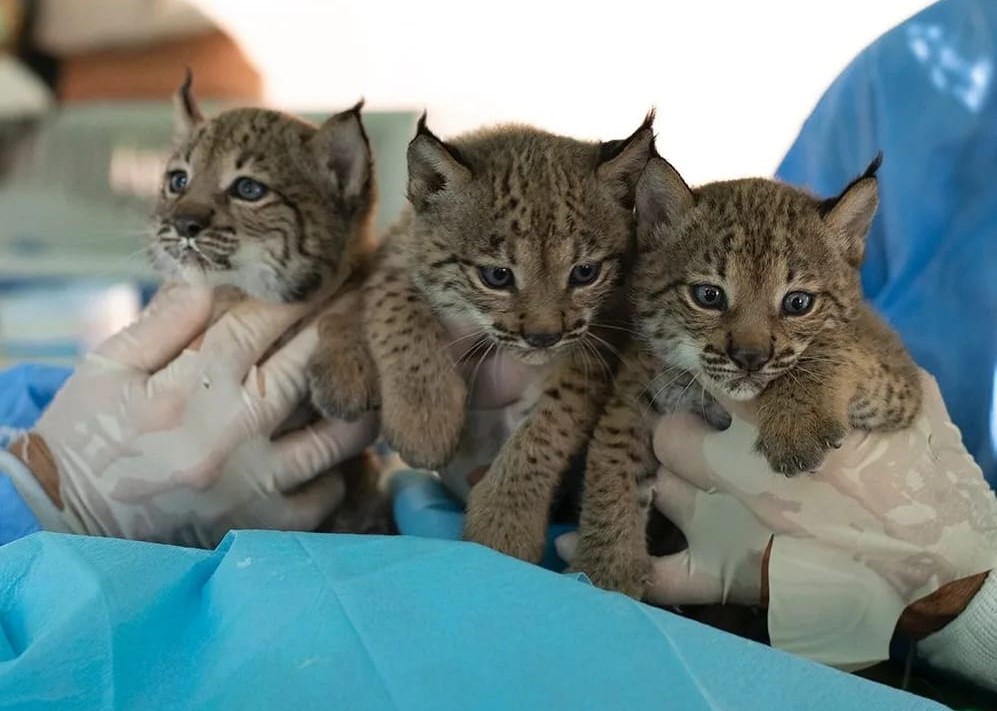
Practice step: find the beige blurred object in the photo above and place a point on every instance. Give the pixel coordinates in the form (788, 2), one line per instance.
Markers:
(22, 94)
(221, 71)
(69, 27)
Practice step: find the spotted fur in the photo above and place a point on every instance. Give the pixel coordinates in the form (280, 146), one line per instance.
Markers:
(554, 217)
(304, 234)
(815, 374)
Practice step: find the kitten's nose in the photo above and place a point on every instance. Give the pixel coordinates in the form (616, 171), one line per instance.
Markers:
(188, 225)
(541, 340)
(749, 359)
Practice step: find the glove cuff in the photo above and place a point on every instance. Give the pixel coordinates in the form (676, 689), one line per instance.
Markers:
(967, 646)
(31, 491)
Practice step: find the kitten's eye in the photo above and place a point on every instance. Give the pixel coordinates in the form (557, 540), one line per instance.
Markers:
(709, 296)
(176, 181)
(583, 274)
(797, 303)
(496, 277)
(248, 189)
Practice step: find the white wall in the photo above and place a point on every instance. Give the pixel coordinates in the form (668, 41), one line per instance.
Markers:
(732, 80)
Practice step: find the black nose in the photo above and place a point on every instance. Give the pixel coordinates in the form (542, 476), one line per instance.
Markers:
(188, 225)
(541, 340)
(749, 359)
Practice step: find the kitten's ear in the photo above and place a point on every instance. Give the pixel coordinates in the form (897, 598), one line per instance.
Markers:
(433, 166)
(850, 214)
(621, 162)
(663, 197)
(342, 150)
(186, 113)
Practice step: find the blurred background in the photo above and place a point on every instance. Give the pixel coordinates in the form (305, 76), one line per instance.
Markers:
(85, 88)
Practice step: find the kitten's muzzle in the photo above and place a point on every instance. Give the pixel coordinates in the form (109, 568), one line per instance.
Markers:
(750, 360)
(541, 339)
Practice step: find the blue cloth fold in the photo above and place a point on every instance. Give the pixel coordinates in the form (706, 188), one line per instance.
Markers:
(310, 621)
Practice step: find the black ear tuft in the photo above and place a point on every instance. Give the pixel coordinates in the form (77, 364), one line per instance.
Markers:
(610, 149)
(185, 92)
(870, 172)
(422, 129)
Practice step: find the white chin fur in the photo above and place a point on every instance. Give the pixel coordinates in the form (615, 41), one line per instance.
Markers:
(535, 357)
(743, 394)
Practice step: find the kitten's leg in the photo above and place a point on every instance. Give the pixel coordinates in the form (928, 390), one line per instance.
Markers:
(423, 396)
(366, 507)
(509, 509)
(342, 376)
(888, 389)
(612, 545)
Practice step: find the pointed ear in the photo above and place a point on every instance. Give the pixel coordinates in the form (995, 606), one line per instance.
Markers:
(621, 162)
(186, 113)
(850, 214)
(663, 197)
(342, 151)
(433, 166)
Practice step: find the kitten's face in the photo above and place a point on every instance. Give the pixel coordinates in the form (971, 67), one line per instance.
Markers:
(739, 281)
(522, 232)
(264, 202)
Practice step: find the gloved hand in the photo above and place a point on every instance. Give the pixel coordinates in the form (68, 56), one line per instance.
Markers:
(838, 556)
(165, 436)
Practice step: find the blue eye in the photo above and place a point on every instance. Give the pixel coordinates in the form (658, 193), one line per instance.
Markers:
(496, 277)
(249, 190)
(797, 303)
(583, 274)
(176, 181)
(709, 296)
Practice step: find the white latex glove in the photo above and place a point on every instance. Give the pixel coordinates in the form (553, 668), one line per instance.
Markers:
(158, 436)
(888, 520)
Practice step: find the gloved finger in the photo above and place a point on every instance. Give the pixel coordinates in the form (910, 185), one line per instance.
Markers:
(305, 453)
(675, 498)
(241, 337)
(281, 382)
(678, 445)
(675, 580)
(496, 381)
(176, 315)
(566, 545)
(311, 504)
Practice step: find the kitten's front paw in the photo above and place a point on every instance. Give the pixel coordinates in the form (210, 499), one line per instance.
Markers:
(342, 383)
(615, 568)
(504, 522)
(423, 420)
(794, 444)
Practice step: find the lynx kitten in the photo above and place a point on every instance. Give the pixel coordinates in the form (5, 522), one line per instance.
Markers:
(753, 287)
(260, 203)
(520, 238)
